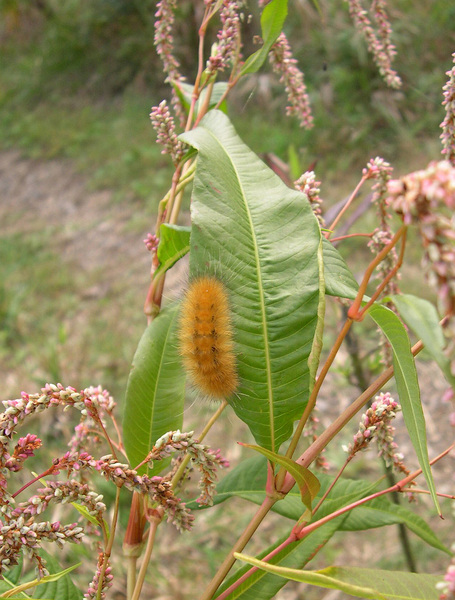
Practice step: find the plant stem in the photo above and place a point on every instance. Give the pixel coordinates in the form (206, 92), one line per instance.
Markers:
(332, 485)
(312, 399)
(155, 520)
(398, 487)
(238, 547)
(402, 531)
(107, 552)
(321, 442)
(247, 575)
(354, 312)
(346, 206)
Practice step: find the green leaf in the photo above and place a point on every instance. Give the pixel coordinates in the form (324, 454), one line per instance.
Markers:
(272, 21)
(83, 510)
(421, 316)
(371, 584)
(55, 586)
(155, 390)
(261, 585)
(261, 239)
(248, 479)
(339, 281)
(381, 512)
(306, 481)
(185, 93)
(408, 387)
(174, 243)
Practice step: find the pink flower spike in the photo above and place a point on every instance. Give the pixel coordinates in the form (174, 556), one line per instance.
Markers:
(285, 65)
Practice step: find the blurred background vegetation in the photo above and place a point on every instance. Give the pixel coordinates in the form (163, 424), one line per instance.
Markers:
(77, 81)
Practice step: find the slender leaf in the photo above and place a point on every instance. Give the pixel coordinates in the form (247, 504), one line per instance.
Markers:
(261, 238)
(155, 391)
(315, 354)
(421, 316)
(408, 387)
(55, 586)
(263, 586)
(306, 481)
(83, 510)
(174, 243)
(272, 21)
(339, 281)
(371, 584)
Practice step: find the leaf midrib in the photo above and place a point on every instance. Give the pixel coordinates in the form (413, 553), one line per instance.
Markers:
(261, 295)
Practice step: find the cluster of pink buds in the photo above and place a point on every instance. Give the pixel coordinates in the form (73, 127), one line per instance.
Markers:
(448, 125)
(202, 457)
(376, 418)
(156, 488)
(447, 587)
(379, 42)
(427, 198)
(62, 491)
(24, 448)
(226, 51)
(285, 65)
(88, 402)
(164, 126)
(381, 171)
(164, 39)
(103, 574)
(25, 534)
(307, 184)
(151, 242)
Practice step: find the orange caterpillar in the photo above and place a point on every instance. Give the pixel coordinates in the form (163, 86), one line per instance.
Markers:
(206, 342)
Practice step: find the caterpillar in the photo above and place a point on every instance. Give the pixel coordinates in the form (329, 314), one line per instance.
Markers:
(206, 339)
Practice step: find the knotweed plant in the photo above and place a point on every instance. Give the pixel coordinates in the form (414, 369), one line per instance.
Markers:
(263, 263)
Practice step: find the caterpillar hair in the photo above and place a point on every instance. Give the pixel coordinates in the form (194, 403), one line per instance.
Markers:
(206, 340)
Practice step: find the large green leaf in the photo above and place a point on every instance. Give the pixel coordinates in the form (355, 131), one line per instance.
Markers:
(371, 584)
(421, 316)
(155, 390)
(339, 281)
(408, 387)
(272, 21)
(261, 238)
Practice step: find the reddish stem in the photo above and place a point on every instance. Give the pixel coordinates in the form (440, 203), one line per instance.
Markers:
(351, 235)
(34, 480)
(345, 207)
(353, 312)
(301, 532)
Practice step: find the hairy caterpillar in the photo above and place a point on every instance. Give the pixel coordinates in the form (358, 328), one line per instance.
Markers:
(206, 342)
